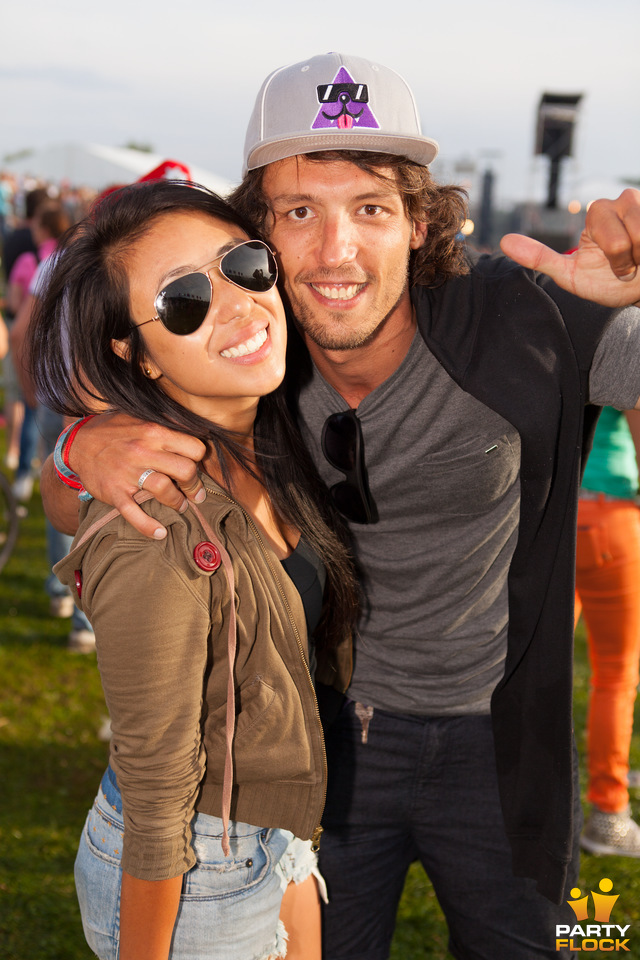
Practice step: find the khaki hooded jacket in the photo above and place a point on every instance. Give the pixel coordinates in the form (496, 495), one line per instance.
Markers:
(162, 637)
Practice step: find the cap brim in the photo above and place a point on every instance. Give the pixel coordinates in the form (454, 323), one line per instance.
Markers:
(418, 149)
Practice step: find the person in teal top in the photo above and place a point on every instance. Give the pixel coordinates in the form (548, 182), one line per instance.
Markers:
(608, 593)
(612, 467)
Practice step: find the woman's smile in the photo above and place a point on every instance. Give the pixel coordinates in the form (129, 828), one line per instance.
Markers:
(246, 347)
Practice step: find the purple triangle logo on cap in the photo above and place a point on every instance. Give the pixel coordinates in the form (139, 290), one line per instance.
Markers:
(344, 104)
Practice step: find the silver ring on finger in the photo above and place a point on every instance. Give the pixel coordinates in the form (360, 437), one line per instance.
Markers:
(143, 477)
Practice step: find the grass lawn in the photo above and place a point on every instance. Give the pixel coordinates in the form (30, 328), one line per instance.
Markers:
(51, 760)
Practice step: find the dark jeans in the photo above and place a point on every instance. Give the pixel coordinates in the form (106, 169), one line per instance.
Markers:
(425, 789)
(29, 441)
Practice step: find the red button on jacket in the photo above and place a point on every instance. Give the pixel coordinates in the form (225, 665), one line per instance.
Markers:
(207, 556)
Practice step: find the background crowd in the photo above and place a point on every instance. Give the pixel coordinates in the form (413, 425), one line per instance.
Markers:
(34, 216)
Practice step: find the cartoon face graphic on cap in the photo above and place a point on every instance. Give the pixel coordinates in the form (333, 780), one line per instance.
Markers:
(344, 102)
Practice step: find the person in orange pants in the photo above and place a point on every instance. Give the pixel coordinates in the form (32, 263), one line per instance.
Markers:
(608, 593)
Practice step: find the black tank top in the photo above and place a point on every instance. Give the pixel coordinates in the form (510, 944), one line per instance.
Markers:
(308, 574)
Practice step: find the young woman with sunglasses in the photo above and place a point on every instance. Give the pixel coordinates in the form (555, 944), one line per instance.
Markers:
(160, 305)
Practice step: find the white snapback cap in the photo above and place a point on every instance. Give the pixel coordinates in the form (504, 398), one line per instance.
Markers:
(334, 102)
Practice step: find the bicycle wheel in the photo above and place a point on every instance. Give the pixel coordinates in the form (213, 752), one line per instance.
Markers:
(8, 520)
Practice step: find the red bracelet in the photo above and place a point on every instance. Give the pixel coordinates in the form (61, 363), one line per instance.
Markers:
(67, 444)
(61, 455)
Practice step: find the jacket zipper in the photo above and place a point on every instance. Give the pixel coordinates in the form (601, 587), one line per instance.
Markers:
(315, 837)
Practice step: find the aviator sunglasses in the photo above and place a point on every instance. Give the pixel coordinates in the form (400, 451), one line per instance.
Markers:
(343, 446)
(183, 304)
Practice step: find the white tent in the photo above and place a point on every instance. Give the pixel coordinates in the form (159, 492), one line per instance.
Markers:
(98, 167)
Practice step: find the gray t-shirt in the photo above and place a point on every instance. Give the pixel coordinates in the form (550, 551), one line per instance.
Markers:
(444, 473)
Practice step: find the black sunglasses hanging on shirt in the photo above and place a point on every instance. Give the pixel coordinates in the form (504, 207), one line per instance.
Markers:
(343, 446)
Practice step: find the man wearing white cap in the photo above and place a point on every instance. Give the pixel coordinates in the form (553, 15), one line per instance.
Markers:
(447, 405)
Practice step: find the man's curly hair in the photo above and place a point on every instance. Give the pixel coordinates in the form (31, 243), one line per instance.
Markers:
(443, 208)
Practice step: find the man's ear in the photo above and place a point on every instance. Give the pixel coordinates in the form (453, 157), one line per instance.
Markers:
(419, 229)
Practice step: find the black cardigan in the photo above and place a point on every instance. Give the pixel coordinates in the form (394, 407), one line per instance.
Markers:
(523, 347)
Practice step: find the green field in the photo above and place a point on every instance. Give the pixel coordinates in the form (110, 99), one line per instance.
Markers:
(51, 760)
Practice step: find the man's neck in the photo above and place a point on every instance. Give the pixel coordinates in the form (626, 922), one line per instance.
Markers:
(357, 372)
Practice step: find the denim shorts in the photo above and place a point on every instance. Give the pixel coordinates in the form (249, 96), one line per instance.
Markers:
(229, 906)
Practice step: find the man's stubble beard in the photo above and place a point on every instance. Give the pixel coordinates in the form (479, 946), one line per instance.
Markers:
(346, 338)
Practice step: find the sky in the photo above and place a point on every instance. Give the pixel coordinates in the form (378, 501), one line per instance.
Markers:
(182, 77)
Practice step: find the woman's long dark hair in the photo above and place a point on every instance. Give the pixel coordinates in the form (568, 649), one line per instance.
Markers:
(85, 305)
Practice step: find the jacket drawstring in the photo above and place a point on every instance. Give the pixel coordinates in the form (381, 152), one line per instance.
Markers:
(230, 724)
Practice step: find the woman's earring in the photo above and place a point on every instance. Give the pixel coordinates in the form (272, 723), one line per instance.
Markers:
(147, 372)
